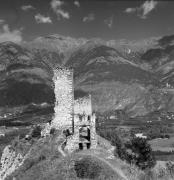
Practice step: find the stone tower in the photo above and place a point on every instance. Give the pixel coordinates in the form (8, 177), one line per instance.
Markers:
(64, 94)
(75, 116)
(84, 122)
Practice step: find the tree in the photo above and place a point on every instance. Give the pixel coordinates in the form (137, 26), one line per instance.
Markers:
(136, 151)
(141, 153)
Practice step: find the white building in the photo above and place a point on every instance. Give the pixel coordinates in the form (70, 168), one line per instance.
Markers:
(140, 135)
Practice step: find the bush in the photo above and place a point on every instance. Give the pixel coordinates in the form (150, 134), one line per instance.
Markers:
(141, 153)
(36, 132)
(52, 131)
(87, 168)
(137, 151)
(167, 136)
(112, 136)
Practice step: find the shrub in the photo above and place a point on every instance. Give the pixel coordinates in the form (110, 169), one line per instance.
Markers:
(170, 169)
(141, 153)
(137, 151)
(36, 132)
(87, 168)
(167, 136)
(52, 131)
(112, 136)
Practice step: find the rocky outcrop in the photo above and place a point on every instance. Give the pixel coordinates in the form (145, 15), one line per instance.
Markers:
(10, 161)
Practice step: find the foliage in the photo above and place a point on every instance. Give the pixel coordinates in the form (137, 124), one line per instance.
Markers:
(164, 172)
(38, 151)
(9, 137)
(52, 131)
(36, 132)
(141, 154)
(136, 151)
(87, 168)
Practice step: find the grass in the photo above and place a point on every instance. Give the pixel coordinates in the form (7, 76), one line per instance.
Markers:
(165, 145)
(87, 168)
(44, 162)
(39, 150)
(10, 136)
(165, 157)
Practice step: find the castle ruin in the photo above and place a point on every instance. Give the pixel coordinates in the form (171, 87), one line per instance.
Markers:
(74, 116)
(64, 93)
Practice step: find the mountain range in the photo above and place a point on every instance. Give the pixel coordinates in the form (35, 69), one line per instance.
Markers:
(134, 76)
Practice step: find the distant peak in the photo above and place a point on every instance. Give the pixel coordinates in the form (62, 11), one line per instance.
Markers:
(8, 43)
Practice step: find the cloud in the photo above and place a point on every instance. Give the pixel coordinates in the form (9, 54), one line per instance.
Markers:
(62, 13)
(10, 35)
(42, 19)
(147, 7)
(90, 17)
(130, 10)
(27, 7)
(109, 21)
(76, 3)
(56, 6)
(144, 10)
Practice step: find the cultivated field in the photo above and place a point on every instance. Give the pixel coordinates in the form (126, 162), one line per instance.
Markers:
(165, 145)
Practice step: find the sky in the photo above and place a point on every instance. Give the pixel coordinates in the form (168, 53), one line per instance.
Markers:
(25, 20)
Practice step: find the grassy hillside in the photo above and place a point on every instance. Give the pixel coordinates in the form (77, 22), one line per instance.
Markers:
(44, 161)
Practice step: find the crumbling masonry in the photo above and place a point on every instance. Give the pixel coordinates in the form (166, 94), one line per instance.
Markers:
(74, 116)
(63, 82)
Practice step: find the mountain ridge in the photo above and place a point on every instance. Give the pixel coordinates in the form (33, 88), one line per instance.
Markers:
(95, 64)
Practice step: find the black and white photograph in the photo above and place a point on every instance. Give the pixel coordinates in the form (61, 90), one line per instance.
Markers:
(86, 90)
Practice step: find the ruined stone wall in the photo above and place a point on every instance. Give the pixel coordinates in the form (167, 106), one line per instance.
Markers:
(64, 93)
(93, 132)
(83, 105)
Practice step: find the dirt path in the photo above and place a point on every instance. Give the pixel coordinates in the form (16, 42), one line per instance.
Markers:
(60, 149)
(99, 154)
(61, 141)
